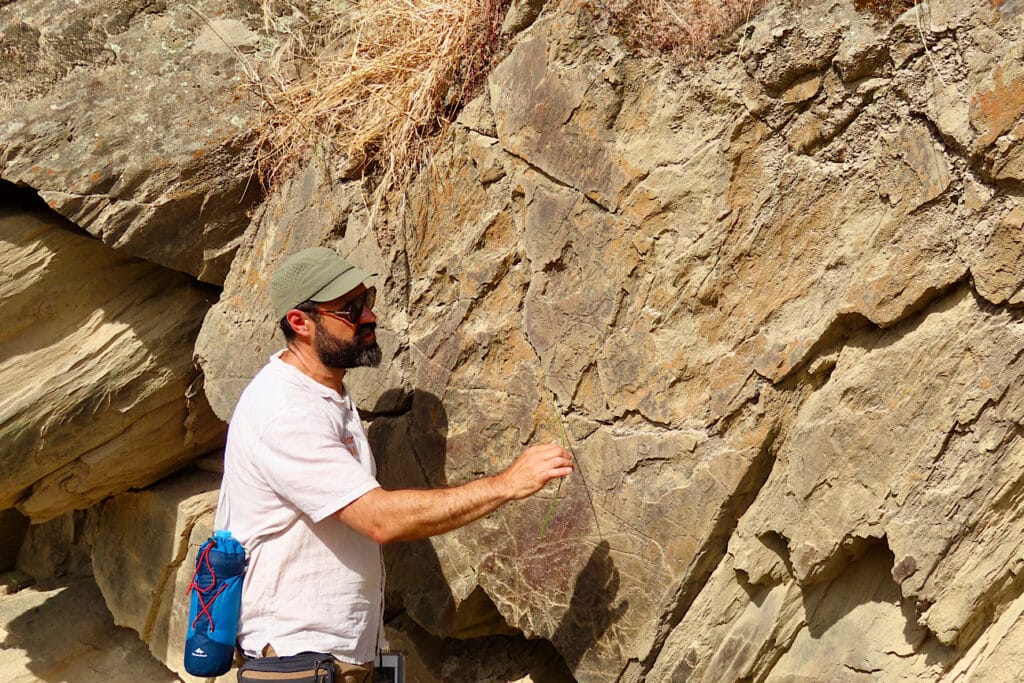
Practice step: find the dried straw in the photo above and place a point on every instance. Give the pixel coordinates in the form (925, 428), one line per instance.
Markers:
(684, 29)
(375, 81)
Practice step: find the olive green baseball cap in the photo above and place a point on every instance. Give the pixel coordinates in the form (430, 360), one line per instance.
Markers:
(313, 274)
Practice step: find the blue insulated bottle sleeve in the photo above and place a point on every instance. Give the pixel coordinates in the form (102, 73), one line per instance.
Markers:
(214, 606)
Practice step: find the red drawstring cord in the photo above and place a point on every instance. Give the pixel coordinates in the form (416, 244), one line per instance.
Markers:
(204, 606)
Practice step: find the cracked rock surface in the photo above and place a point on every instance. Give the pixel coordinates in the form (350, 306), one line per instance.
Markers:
(102, 395)
(775, 300)
(131, 118)
(772, 298)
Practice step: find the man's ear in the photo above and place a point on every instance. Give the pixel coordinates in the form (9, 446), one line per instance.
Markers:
(300, 323)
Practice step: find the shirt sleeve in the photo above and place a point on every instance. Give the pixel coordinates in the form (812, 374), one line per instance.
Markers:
(305, 461)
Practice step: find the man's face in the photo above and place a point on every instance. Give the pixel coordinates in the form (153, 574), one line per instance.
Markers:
(344, 345)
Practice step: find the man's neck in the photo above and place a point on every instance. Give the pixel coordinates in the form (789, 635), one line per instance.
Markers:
(305, 359)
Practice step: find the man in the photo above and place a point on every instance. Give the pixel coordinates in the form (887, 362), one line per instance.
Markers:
(299, 489)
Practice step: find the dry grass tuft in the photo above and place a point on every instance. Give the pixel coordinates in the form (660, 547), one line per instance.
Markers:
(374, 80)
(681, 29)
(888, 9)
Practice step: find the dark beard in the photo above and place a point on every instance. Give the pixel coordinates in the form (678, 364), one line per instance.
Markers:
(335, 353)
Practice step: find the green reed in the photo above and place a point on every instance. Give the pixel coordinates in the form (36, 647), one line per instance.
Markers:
(554, 501)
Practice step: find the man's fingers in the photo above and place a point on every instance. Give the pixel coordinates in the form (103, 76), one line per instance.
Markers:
(538, 465)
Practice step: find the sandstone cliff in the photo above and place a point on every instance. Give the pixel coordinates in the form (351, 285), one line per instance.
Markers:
(775, 298)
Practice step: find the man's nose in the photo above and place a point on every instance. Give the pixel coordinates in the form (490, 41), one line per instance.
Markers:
(367, 316)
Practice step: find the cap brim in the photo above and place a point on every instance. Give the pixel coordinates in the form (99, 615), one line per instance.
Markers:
(341, 285)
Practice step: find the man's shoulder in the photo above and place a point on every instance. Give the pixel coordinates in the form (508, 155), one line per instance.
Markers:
(271, 391)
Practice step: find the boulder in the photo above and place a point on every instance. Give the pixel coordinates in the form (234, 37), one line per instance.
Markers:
(133, 119)
(97, 351)
(144, 556)
(64, 632)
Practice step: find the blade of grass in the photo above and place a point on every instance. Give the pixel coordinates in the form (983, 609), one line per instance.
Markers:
(554, 501)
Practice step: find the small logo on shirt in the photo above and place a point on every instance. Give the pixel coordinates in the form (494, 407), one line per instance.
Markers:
(199, 652)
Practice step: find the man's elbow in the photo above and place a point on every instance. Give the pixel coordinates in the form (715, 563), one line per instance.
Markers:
(391, 531)
(382, 534)
(374, 515)
(367, 516)
(381, 531)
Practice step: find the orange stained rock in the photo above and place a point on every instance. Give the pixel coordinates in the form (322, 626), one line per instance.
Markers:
(642, 204)
(994, 111)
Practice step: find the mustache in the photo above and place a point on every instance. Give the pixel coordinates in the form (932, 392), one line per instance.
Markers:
(366, 327)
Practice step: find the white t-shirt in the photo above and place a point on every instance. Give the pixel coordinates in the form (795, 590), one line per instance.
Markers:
(296, 454)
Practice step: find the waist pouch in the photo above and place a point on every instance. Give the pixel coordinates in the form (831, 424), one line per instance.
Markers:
(305, 667)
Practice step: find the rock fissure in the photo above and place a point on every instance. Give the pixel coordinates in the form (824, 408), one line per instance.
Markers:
(849, 324)
(711, 555)
(165, 583)
(555, 180)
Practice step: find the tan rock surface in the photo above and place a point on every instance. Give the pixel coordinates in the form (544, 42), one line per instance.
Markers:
(689, 321)
(774, 298)
(63, 632)
(996, 656)
(132, 119)
(151, 539)
(102, 395)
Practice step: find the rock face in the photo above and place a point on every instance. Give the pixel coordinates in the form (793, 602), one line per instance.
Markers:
(774, 299)
(102, 394)
(131, 119)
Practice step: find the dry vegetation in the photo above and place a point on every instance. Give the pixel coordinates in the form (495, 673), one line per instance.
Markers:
(681, 29)
(374, 81)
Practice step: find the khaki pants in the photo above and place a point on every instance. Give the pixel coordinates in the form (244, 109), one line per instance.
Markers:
(343, 671)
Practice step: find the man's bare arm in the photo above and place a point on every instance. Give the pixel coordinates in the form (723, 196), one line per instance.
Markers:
(408, 514)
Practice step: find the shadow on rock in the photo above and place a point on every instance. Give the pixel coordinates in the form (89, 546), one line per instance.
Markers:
(410, 452)
(453, 640)
(593, 608)
(66, 634)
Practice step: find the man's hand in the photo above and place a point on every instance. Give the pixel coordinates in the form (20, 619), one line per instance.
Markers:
(407, 514)
(534, 468)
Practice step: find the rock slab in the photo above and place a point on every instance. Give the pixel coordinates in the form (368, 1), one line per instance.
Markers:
(97, 353)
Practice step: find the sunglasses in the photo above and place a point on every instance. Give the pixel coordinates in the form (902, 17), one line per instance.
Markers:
(353, 310)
